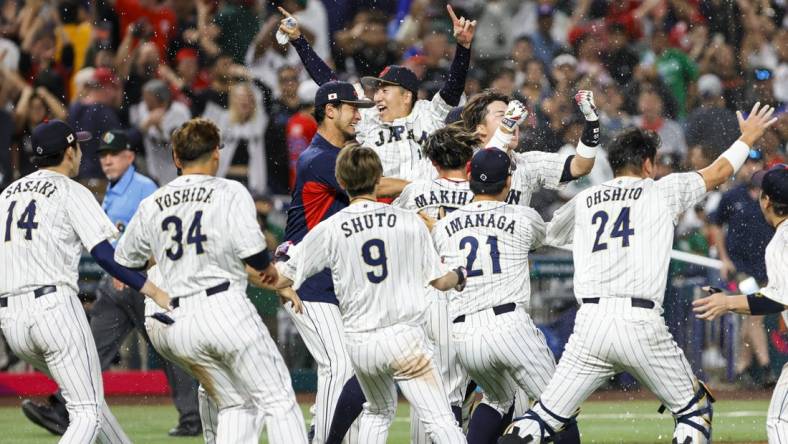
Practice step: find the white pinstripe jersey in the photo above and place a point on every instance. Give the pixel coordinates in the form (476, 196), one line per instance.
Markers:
(535, 170)
(622, 233)
(777, 267)
(381, 259)
(398, 143)
(198, 228)
(46, 220)
(436, 198)
(491, 240)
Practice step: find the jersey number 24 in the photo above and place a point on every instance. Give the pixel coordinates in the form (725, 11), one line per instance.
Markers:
(621, 228)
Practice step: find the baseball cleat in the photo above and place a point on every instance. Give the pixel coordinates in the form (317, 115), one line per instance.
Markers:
(186, 429)
(45, 416)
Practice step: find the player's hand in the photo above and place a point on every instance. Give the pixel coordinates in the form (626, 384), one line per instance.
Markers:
(162, 299)
(753, 127)
(289, 25)
(269, 276)
(727, 270)
(463, 28)
(515, 114)
(711, 307)
(585, 101)
(289, 295)
(462, 276)
(280, 255)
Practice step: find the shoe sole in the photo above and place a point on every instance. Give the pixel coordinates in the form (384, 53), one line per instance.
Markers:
(30, 411)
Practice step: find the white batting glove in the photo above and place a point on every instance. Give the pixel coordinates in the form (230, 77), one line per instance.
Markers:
(585, 101)
(515, 114)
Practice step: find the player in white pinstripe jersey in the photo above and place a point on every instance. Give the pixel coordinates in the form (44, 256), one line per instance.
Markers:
(381, 259)
(49, 218)
(201, 231)
(496, 341)
(449, 149)
(773, 298)
(622, 234)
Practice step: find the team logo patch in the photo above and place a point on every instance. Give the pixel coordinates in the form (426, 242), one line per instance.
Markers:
(70, 138)
(483, 177)
(108, 137)
(332, 96)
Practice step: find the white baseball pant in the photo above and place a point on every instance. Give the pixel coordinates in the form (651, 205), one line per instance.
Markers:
(222, 341)
(777, 418)
(400, 355)
(609, 337)
(52, 333)
(505, 354)
(455, 378)
(320, 327)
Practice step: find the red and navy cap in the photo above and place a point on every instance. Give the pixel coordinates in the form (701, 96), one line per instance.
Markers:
(340, 92)
(398, 76)
(489, 169)
(54, 136)
(775, 184)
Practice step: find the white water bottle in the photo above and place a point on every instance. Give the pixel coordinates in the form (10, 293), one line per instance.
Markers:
(281, 37)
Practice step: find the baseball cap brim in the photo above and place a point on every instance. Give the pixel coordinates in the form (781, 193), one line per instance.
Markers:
(487, 187)
(105, 147)
(375, 82)
(359, 103)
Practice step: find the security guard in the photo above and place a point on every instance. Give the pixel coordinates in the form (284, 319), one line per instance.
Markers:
(119, 309)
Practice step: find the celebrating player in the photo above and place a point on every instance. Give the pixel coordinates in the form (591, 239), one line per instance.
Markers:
(495, 119)
(201, 230)
(381, 258)
(622, 233)
(449, 149)
(496, 341)
(773, 298)
(400, 123)
(49, 218)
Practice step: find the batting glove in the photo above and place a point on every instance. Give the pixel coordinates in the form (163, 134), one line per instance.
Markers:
(515, 114)
(280, 254)
(585, 100)
(462, 278)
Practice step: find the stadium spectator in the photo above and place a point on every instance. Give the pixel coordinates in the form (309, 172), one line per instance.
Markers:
(280, 110)
(711, 124)
(652, 118)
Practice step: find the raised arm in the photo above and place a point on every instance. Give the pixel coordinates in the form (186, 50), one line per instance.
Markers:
(729, 162)
(583, 162)
(455, 84)
(318, 69)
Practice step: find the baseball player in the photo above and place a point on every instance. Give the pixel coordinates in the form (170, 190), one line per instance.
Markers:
(202, 230)
(381, 258)
(773, 298)
(622, 233)
(495, 119)
(117, 312)
(449, 149)
(48, 219)
(496, 341)
(400, 123)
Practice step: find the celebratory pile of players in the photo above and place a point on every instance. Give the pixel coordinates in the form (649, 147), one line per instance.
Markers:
(428, 294)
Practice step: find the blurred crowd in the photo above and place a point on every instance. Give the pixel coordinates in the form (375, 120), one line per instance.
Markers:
(678, 67)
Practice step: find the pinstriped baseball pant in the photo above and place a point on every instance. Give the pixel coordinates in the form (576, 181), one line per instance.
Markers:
(222, 341)
(777, 418)
(400, 355)
(52, 334)
(505, 354)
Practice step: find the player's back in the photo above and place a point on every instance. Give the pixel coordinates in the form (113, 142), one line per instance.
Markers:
(491, 239)
(47, 219)
(623, 234)
(198, 232)
(437, 197)
(381, 260)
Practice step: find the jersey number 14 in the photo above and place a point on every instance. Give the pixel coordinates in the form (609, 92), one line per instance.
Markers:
(27, 221)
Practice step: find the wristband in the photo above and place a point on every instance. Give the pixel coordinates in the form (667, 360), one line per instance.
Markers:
(585, 151)
(761, 305)
(737, 154)
(500, 140)
(590, 136)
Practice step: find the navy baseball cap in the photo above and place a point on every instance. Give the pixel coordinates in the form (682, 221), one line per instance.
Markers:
(454, 116)
(340, 92)
(775, 184)
(489, 169)
(114, 140)
(54, 136)
(398, 76)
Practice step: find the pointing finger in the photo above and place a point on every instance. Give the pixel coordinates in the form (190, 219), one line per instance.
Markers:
(285, 13)
(451, 14)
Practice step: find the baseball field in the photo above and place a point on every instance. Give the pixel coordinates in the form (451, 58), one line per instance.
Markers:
(635, 421)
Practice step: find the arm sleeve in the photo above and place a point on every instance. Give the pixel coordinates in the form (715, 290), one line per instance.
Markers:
(104, 254)
(561, 228)
(540, 169)
(455, 83)
(537, 229)
(681, 191)
(247, 239)
(315, 66)
(88, 219)
(134, 249)
(310, 256)
(258, 261)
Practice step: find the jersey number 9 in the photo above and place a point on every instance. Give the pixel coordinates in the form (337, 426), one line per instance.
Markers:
(378, 259)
